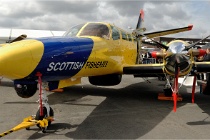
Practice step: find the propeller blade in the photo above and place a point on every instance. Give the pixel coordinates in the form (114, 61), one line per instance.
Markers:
(192, 45)
(160, 44)
(21, 37)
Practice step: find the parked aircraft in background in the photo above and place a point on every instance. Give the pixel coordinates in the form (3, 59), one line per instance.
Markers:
(97, 50)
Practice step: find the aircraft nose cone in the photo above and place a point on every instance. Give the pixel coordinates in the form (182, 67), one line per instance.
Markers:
(180, 60)
(19, 59)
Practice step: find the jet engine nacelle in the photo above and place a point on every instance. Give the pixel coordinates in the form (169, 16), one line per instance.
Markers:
(25, 88)
(105, 80)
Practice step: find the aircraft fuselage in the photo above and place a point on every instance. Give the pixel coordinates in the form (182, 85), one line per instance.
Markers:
(64, 57)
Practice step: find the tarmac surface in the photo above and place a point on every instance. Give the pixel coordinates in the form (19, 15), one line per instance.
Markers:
(129, 110)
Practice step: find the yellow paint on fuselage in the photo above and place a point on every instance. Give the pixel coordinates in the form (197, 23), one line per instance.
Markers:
(2, 45)
(117, 54)
(22, 61)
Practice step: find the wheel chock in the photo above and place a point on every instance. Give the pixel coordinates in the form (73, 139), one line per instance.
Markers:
(27, 123)
(161, 96)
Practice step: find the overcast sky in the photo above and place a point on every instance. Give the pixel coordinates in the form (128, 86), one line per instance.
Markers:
(62, 14)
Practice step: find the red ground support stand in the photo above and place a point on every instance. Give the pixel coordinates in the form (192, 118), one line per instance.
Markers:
(161, 96)
(193, 89)
(175, 89)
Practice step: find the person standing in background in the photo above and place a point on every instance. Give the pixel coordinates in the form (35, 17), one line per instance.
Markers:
(205, 59)
(200, 76)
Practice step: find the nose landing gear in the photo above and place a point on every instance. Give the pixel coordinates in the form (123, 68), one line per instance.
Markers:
(45, 110)
(44, 115)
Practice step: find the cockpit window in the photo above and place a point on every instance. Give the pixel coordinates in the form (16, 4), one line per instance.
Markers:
(129, 37)
(124, 36)
(115, 33)
(176, 47)
(95, 29)
(73, 31)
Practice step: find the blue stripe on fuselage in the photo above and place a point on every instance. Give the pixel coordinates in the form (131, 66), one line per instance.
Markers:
(63, 57)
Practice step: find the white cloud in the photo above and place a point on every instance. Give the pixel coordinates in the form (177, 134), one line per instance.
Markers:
(61, 15)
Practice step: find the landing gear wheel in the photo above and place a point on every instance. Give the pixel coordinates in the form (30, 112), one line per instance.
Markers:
(43, 130)
(38, 117)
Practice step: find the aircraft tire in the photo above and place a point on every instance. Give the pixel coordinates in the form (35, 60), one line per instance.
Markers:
(38, 117)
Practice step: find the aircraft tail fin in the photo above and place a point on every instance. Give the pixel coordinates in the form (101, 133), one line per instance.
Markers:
(139, 31)
(140, 21)
(139, 27)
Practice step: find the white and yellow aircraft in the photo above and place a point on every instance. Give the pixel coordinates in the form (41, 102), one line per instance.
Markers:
(97, 50)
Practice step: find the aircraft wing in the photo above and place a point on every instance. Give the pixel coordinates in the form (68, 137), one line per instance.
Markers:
(144, 70)
(202, 66)
(154, 70)
(167, 32)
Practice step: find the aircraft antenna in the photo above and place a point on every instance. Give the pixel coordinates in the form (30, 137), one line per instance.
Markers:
(52, 33)
(10, 36)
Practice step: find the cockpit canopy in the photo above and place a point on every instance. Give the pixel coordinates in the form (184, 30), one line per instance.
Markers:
(90, 29)
(72, 32)
(98, 29)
